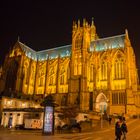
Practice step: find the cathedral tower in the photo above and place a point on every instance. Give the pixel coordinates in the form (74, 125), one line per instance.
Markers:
(81, 38)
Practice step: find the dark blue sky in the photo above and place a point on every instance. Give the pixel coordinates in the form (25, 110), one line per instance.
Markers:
(43, 24)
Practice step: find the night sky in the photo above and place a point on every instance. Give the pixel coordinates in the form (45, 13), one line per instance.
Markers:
(43, 24)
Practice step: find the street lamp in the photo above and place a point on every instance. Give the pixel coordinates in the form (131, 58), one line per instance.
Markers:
(101, 111)
(94, 75)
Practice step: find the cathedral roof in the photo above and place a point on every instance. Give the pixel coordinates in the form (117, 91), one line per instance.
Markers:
(62, 51)
(108, 43)
(28, 51)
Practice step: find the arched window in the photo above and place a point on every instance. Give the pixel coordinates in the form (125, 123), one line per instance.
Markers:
(119, 71)
(103, 70)
(78, 42)
(41, 77)
(80, 68)
(78, 64)
(32, 75)
(26, 73)
(62, 79)
(51, 80)
(62, 76)
(52, 75)
(41, 81)
(75, 67)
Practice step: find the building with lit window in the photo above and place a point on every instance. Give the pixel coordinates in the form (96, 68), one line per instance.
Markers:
(96, 74)
(16, 111)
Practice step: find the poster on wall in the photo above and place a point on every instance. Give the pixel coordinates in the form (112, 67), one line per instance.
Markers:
(48, 120)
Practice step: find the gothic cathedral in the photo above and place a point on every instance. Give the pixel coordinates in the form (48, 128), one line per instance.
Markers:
(96, 74)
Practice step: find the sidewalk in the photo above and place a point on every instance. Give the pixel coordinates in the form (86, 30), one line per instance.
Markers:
(106, 126)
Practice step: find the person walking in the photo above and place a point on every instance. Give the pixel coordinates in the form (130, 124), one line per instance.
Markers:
(109, 120)
(118, 131)
(124, 130)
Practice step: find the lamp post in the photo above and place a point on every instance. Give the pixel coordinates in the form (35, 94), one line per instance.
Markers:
(93, 78)
(94, 74)
(101, 110)
(101, 121)
(94, 82)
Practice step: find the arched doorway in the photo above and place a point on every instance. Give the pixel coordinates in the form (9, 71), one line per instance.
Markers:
(101, 103)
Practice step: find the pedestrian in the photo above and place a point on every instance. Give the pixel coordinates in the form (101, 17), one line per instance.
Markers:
(59, 129)
(79, 127)
(109, 120)
(118, 131)
(124, 130)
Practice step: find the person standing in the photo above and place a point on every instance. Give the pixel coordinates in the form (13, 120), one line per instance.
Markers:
(109, 120)
(118, 131)
(124, 130)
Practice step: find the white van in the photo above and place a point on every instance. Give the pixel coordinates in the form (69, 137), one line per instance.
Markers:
(33, 124)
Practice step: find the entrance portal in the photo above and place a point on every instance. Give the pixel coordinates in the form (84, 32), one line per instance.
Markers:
(101, 103)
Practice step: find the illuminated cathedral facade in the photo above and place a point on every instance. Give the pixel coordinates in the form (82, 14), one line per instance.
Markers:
(96, 74)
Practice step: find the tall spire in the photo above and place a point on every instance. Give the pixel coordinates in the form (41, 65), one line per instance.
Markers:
(74, 25)
(92, 22)
(78, 23)
(126, 33)
(127, 40)
(93, 30)
(18, 39)
(84, 22)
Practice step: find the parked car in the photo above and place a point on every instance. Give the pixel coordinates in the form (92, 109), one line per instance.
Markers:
(19, 126)
(72, 127)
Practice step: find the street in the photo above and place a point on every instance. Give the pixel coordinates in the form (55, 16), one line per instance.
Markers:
(97, 134)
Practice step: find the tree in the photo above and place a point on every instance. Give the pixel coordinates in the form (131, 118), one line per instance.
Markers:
(70, 111)
(48, 101)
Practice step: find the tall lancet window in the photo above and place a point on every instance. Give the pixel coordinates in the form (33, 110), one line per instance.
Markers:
(52, 76)
(62, 76)
(78, 41)
(75, 65)
(119, 69)
(32, 75)
(41, 77)
(104, 69)
(78, 64)
(79, 68)
(78, 56)
(26, 70)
